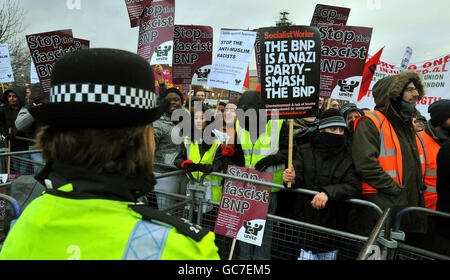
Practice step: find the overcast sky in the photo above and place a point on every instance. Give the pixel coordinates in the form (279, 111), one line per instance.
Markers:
(422, 25)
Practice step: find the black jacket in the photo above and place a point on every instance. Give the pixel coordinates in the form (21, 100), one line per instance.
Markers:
(8, 117)
(443, 188)
(324, 169)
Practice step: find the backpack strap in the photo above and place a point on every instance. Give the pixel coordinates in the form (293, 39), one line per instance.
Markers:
(185, 227)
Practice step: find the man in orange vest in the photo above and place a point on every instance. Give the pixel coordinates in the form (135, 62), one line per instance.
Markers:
(385, 153)
(436, 132)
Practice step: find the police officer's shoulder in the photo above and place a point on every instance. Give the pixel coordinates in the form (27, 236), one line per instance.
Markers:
(184, 226)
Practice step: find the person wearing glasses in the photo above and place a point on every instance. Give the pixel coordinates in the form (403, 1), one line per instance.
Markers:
(386, 156)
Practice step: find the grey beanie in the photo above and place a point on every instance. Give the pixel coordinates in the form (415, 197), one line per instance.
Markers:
(331, 117)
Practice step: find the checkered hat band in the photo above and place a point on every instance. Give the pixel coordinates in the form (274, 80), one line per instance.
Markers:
(106, 94)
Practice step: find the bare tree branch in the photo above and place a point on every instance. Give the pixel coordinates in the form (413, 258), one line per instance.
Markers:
(12, 33)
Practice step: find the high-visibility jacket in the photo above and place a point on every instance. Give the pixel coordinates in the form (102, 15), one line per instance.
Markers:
(267, 144)
(55, 227)
(390, 156)
(193, 153)
(430, 149)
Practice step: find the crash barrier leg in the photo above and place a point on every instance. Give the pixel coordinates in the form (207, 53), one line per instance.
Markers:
(407, 252)
(292, 233)
(377, 246)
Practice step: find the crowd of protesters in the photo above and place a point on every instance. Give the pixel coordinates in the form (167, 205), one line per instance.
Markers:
(343, 152)
(388, 155)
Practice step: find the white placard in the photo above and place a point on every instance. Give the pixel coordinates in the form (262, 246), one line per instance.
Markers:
(6, 73)
(33, 74)
(232, 59)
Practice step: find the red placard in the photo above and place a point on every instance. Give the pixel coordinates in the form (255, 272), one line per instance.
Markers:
(135, 8)
(330, 14)
(243, 207)
(45, 49)
(192, 54)
(156, 28)
(81, 44)
(344, 52)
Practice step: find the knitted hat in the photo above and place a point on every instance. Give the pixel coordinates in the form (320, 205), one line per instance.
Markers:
(174, 90)
(439, 111)
(100, 88)
(331, 117)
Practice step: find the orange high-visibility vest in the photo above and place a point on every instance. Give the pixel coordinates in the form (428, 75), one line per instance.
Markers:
(429, 171)
(390, 156)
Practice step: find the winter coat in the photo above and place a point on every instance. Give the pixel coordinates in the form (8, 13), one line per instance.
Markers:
(166, 151)
(324, 169)
(443, 188)
(366, 148)
(8, 117)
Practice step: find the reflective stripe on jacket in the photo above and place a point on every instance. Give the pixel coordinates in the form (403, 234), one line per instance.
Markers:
(429, 170)
(390, 153)
(267, 144)
(193, 153)
(59, 228)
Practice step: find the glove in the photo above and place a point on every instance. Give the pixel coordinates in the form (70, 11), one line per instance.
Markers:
(228, 151)
(264, 163)
(189, 166)
(205, 168)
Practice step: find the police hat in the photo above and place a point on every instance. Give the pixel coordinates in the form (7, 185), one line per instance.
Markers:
(100, 88)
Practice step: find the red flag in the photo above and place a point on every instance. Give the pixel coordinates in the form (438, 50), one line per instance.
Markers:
(369, 70)
(247, 79)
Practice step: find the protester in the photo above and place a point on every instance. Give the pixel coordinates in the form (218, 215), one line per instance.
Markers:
(264, 147)
(302, 131)
(350, 113)
(443, 193)
(390, 165)
(321, 105)
(99, 162)
(200, 156)
(166, 151)
(14, 100)
(202, 95)
(419, 122)
(229, 129)
(27, 124)
(334, 104)
(325, 165)
(435, 134)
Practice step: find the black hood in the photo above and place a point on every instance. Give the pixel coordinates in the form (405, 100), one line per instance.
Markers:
(20, 92)
(251, 100)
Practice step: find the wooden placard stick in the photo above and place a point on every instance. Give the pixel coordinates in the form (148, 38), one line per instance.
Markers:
(291, 140)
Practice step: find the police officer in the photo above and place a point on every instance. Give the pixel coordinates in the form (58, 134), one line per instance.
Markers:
(99, 147)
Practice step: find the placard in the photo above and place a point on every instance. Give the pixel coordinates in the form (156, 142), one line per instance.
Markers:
(290, 70)
(156, 27)
(192, 55)
(45, 49)
(6, 72)
(232, 59)
(344, 52)
(330, 14)
(243, 207)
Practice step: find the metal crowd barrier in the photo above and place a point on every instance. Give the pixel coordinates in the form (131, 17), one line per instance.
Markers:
(288, 236)
(405, 251)
(13, 163)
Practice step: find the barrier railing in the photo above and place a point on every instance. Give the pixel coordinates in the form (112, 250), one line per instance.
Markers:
(408, 252)
(289, 237)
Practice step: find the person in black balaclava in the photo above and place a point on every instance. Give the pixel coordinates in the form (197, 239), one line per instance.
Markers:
(325, 165)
